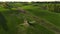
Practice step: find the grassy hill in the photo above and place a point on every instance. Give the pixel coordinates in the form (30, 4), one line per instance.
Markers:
(15, 18)
(45, 14)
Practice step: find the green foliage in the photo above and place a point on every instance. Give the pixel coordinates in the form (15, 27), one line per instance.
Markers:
(12, 19)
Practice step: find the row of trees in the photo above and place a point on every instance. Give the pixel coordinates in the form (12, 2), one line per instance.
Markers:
(51, 6)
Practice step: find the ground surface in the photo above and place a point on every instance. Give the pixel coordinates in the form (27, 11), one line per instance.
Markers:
(46, 22)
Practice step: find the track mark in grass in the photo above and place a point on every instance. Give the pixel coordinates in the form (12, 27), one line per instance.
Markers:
(45, 23)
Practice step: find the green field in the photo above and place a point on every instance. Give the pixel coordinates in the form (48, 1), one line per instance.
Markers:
(13, 17)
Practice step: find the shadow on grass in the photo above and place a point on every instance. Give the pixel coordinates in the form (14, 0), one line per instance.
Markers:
(3, 22)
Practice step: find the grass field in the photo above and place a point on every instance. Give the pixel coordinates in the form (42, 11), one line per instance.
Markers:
(14, 19)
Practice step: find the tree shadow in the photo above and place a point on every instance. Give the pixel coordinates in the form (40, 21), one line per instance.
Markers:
(3, 22)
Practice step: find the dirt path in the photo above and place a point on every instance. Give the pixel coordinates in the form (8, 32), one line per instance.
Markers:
(43, 23)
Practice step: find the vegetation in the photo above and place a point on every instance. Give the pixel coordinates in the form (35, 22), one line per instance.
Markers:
(29, 18)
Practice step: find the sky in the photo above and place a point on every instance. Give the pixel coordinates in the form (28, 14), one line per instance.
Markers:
(27, 0)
